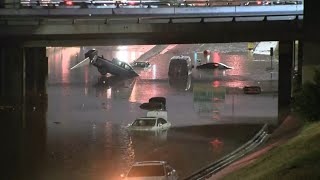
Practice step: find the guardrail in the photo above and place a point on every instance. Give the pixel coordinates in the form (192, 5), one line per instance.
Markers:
(213, 168)
(132, 4)
(228, 11)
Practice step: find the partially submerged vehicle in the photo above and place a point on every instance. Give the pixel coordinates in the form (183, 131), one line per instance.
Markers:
(252, 90)
(141, 64)
(156, 170)
(181, 83)
(213, 65)
(150, 124)
(180, 66)
(156, 119)
(104, 66)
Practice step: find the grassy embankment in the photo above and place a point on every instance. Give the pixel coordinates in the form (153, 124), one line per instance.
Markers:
(299, 158)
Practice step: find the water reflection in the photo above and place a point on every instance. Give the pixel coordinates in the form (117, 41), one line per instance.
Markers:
(209, 99)
(119, 87)
(181, 83)
(147, 140)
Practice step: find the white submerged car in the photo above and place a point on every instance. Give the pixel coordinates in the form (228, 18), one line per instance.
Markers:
(156, 119)
(149, 124)
(151, 170)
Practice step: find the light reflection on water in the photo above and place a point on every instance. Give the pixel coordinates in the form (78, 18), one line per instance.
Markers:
(92, 140)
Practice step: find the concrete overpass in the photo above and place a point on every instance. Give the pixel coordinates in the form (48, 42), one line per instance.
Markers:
(112, 26)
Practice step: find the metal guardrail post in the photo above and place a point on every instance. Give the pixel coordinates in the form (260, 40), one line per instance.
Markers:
(250, 145)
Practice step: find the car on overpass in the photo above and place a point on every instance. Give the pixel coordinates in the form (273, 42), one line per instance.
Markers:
(151, 170)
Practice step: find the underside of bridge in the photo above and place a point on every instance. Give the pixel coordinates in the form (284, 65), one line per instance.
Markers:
(164, 33)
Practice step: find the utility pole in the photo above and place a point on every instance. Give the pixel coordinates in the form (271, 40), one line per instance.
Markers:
(271, 56)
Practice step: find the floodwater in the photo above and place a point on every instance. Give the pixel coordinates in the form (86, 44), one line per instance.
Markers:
(86, 135)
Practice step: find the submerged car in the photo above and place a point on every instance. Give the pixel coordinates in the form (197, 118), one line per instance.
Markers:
(252, 90)
(141, 64)
(214, 65)
(153, 170)
(149, 124)
(114, 67)
(180, 66)
(156, 119)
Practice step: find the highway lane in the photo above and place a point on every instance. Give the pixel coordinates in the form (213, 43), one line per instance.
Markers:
(86, 118)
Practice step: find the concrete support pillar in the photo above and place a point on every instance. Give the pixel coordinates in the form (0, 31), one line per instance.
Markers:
(299, 64)
(311, 60)
(11, 78)
(285, 73)
(23, 86)
(36, 76)
(23, 77)
(311, 22)
(34, 142)
(311, 47)
(11, 74)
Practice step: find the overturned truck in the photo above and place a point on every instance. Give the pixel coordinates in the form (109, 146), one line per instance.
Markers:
(114, 67)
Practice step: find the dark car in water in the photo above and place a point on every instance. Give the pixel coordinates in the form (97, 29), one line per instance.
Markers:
(180, 66)
(213, 65)
(252, 90)
(141, 64)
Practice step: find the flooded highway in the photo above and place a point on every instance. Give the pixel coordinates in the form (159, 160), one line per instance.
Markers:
(86, 135)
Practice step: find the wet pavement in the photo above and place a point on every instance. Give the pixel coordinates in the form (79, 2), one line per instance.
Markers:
(87, 114)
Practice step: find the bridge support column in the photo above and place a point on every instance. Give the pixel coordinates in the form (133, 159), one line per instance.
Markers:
(311, 49)
(36, 75)
(311, 60)
(34, 142)
(12, 72)
(285, 74)
(299, 64)
(11, 77)
(22, 87)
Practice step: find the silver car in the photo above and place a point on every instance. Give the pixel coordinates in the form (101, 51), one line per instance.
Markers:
(151, 170)
(149, 124)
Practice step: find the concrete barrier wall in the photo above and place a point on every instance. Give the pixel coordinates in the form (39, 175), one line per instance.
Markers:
(218, 11)
(79, 12)
(265, 9)
(204, 10)
(145, 11)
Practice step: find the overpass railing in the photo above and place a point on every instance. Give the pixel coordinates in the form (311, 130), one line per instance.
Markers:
(69, 4)
(221, 11)
(206, 172)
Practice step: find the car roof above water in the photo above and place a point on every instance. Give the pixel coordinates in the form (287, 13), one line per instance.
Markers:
(144, 163)
(181, 58)
(147, 118)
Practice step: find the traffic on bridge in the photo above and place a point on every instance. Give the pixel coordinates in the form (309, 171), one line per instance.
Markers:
(148, 3)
